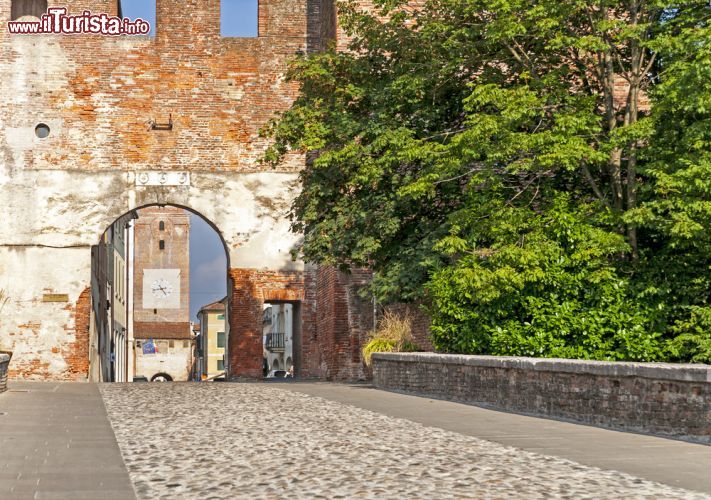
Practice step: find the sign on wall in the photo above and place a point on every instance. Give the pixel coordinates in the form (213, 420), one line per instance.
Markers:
(149, 347)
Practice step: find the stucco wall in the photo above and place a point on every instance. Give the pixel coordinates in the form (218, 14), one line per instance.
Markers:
(174, 361)
(657, 398)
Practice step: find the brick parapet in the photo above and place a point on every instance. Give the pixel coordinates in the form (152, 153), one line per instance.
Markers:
(656, 398)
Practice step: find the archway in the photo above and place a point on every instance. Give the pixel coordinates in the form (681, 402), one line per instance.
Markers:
(159, 273)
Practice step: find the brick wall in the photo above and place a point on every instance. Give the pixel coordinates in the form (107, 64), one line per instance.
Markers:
(251, 288)
(77, 353)
(98, 94)
(657, 398)
(343, 322)
(331, 321)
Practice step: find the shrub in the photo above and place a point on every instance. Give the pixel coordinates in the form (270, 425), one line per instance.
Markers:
(394, 334)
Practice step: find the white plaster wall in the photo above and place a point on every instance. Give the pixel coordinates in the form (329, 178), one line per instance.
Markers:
(39, 332)
(175, 362)
(69, 208)
(50, 218)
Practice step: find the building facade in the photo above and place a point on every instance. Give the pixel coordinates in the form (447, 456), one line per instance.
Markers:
(110, 282)
(93, 127)
(213, 339)
(278, 337)
(162, 331)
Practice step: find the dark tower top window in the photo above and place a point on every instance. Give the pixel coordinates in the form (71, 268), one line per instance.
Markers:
(22, 8)
(161, 225)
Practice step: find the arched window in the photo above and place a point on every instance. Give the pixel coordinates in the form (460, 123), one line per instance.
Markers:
(21, 8)
(161, 226)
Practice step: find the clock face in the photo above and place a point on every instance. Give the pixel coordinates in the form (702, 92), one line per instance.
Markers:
(161, 289)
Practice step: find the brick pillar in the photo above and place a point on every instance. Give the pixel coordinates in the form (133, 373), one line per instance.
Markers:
(343, 320)
(76, 354)
(245, 349)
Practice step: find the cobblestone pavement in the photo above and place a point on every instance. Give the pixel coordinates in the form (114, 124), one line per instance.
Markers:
(194, 440)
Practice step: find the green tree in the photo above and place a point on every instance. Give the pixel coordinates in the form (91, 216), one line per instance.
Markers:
(496, 158)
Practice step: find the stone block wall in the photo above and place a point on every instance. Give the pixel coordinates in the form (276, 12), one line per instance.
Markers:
(656, 398)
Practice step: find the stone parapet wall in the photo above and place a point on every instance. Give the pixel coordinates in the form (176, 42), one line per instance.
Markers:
(670, 400)
(4, 362)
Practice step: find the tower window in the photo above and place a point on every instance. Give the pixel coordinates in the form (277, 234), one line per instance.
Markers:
(161, 244)
(21, 8)
(144, 9)
(161, 226)
(239, 18)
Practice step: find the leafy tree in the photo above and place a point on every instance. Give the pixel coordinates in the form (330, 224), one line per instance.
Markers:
(497, 159)
(676, 207)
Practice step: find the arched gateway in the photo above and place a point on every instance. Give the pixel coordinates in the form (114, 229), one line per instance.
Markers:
(92, 127)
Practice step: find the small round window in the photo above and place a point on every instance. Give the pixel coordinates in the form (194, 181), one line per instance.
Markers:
(42, 131)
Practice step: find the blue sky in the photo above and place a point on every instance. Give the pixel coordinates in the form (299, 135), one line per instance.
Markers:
(239, 17)
(208, 265)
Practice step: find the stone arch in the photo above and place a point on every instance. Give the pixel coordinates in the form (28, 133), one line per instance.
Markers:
(205, 218)
(158, 223)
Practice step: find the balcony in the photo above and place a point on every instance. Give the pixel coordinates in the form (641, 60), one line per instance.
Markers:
(274, 342)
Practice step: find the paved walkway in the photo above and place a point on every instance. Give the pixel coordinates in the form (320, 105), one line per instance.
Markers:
(273, 440)
(56, 443)
(668, 461)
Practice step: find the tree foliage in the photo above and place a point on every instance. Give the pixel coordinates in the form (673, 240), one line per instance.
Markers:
(498, 160)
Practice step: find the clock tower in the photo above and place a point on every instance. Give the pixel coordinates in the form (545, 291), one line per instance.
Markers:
(162, 273)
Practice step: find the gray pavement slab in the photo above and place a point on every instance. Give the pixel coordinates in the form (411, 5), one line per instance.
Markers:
(56, 442)
(676, 463)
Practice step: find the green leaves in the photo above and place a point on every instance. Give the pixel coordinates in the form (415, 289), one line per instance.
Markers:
(498, 160)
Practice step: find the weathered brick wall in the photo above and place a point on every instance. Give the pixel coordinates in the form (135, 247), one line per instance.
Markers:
(251, 288)
(77, 353)
(330, 326)
(98, 94)
(344, 320)
(664, 399)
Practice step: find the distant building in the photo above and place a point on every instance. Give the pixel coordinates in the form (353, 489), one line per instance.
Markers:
(213, 339)
(278, 338)
(110, 285)
(163, 340)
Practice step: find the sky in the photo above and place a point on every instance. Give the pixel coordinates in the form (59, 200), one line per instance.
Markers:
(239, 17)
(208, 265)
